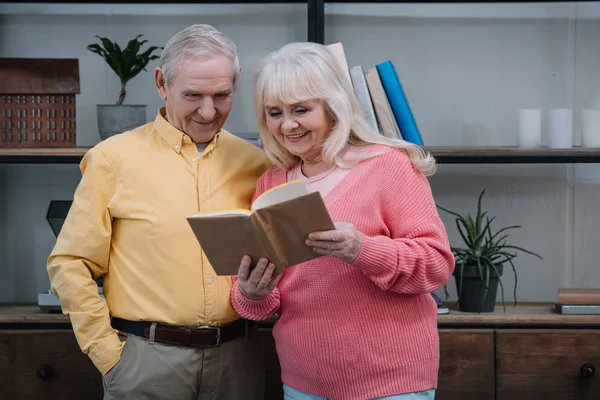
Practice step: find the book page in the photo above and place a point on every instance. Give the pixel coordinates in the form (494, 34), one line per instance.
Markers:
(225, 240)
(288, 224)
(223, 213)
(281, 193)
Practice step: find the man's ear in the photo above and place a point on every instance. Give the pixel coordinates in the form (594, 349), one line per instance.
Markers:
(161, 85)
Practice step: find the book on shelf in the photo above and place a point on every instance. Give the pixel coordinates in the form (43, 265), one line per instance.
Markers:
(578, 309)
(363, 96)
(441, 308)
(579, 296)
(578, 301)
(399, 103)
(340, 55)
(381, 97)
(275, 227)
(383, 112)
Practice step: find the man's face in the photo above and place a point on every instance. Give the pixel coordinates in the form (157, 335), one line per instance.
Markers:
(198, 100)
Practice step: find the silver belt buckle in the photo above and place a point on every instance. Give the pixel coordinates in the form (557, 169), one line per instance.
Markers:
(216, 328)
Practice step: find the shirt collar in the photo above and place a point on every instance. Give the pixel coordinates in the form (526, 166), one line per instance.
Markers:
(173, 136)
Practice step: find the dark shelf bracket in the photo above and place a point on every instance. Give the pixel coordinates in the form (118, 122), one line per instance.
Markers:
(316, 21)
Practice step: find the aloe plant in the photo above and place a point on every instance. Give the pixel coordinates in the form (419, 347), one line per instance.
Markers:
(126, 63)
(484, 248)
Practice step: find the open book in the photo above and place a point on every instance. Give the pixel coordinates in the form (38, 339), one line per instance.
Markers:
(276, 228)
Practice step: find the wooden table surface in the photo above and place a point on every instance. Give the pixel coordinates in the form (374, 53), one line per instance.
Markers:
(525, 313)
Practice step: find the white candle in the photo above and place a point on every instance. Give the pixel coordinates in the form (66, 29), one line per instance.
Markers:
(590, 124)
(530, 128)
(560, 128)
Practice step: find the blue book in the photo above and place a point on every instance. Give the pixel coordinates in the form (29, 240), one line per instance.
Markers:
(398, 103)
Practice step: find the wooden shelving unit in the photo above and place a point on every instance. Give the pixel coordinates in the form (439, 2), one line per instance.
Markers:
(444, 155)
(42, 156)
(513, 155)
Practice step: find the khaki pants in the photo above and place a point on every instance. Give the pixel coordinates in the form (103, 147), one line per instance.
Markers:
(232, 371)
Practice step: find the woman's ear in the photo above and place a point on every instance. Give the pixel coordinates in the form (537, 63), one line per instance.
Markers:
(331, 117)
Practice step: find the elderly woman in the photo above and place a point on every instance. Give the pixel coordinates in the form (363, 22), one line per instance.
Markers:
(358, 322)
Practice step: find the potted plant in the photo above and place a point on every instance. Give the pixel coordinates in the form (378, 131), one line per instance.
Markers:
(127, 63)
(480, 263)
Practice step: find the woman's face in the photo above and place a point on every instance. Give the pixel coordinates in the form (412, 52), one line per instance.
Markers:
(301, 128)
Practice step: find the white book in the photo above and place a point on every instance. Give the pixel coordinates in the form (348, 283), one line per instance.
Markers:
(364, 98)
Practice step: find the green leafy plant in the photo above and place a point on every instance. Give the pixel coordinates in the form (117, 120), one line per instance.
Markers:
(128, 62)
(484, 248)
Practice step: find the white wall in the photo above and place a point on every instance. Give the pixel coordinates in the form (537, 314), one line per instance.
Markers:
(466, 70)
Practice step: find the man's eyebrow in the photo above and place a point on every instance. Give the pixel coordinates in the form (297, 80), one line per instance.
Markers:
(193, 91)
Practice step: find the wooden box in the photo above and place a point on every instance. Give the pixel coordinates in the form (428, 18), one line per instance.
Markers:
(37, 102)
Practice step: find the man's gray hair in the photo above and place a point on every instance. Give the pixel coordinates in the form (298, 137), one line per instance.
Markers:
(200, 40)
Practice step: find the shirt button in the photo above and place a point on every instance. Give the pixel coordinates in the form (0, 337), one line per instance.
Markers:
(176, 146)
(184, 137)
(209, 281)
(204, 199)
(194, 159)
(210, 322)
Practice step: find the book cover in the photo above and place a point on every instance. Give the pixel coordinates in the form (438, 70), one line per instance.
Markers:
(340, 54)
(398, 102)
(383, 111)
(363, 96)
(579, 296)
(276, 228)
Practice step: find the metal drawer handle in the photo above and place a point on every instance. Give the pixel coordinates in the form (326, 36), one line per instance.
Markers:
(587, 370)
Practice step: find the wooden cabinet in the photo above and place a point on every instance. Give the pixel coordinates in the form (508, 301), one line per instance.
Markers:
(45, 364)
(466, 356)
(528, 354)
(548, 364)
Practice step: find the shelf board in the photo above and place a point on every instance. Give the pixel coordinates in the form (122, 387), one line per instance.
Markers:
(42, 156)
(524, 315)
(454, 1)
(513, 155)
(144, 2)
(443, 155)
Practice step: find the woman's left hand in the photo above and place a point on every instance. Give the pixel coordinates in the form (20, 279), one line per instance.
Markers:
(344, 242)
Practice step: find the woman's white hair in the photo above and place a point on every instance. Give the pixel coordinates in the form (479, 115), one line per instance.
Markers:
(305, 71)
(197, 41)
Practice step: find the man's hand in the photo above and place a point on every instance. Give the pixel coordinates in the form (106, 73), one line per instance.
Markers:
(259, 283)
(344, 242)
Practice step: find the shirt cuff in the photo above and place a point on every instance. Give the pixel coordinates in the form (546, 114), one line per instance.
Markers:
(107, 353)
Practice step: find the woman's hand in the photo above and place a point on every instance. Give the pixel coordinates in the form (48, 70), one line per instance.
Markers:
(344, 242)
(259, 283)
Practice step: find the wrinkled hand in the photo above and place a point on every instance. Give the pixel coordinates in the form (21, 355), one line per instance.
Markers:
(259, 283)
(344, 242)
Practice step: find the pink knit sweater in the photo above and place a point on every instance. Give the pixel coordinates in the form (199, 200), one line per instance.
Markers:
(366, 329)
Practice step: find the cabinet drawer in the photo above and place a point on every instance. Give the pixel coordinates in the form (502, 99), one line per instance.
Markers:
(466, 365)
(547, 364)
(46, 364)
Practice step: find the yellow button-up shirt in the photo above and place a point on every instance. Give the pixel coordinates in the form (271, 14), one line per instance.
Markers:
(128, 223)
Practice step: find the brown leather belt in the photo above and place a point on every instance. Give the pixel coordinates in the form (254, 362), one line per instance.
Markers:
(202, 336)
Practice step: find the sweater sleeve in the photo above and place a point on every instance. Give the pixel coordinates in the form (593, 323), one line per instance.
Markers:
(414, 256)
(248, 308)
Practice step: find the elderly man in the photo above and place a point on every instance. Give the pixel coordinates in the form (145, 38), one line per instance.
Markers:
(167, 329)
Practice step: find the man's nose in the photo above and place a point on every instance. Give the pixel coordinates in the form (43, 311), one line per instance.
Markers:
(207, 109)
